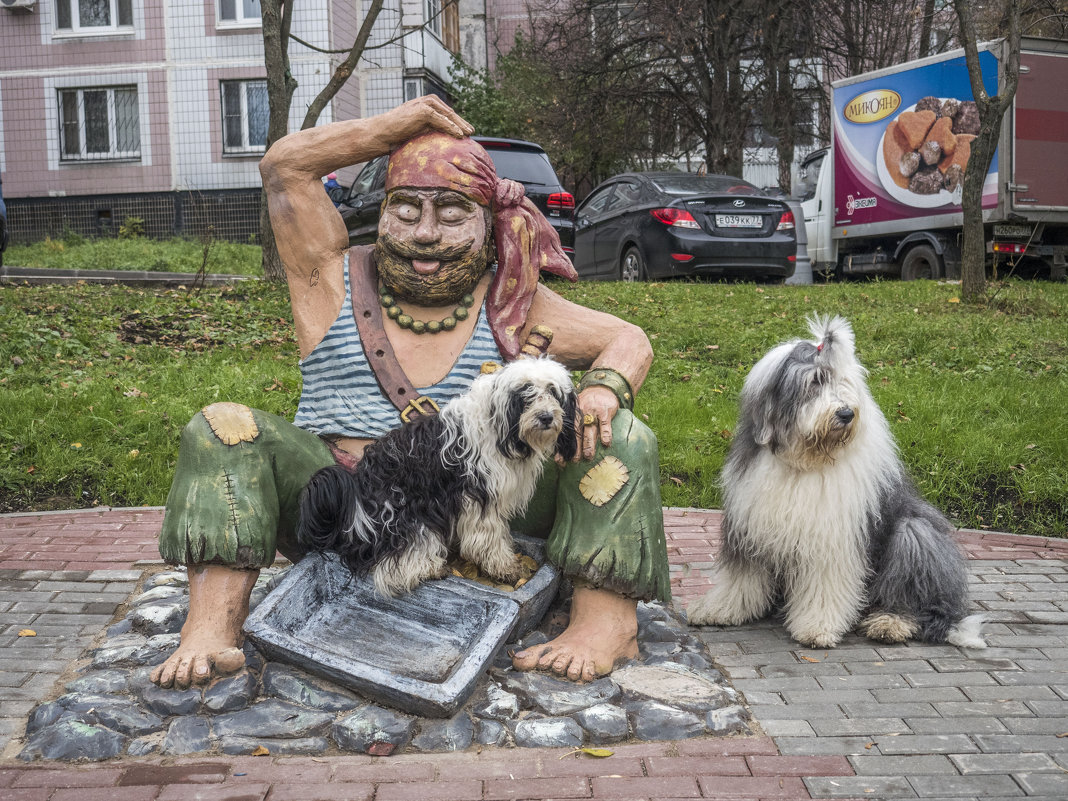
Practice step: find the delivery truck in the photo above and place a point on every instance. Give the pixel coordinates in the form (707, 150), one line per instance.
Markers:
(885, 197)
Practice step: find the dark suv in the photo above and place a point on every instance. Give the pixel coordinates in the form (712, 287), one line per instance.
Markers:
(521, 161)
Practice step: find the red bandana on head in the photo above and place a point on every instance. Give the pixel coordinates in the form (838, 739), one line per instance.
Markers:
(526, 242)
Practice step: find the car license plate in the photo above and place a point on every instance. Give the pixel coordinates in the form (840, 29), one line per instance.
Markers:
(739, 221)
(1018, 231)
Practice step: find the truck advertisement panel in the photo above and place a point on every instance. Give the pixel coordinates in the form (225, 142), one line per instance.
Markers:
(902, 142)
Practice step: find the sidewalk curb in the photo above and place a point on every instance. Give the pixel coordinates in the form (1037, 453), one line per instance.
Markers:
(48, 276)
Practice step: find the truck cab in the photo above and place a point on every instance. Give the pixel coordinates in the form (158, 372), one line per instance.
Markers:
(812, 187)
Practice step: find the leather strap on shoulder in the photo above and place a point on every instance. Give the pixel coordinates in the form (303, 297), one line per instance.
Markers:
(367, 311)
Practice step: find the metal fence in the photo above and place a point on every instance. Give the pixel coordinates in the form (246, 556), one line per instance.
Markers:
(230, 215)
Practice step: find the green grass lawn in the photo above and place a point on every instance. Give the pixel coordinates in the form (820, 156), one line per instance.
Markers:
(74, 252)
(96, 383)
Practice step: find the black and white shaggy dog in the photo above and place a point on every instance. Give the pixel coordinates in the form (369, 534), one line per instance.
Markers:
(820, 514)
(455, 478)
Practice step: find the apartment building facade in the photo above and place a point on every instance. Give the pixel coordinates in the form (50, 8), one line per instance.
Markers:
(111, 109)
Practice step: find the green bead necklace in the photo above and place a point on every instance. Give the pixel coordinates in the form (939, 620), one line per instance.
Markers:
(395, 313)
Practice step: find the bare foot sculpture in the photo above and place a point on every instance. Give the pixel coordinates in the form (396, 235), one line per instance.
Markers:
(602, 632)
(211, 636)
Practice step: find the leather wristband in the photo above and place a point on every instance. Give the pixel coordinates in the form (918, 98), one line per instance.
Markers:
(613, 380)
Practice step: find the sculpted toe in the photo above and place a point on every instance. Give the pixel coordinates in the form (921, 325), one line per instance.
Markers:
(229, 661)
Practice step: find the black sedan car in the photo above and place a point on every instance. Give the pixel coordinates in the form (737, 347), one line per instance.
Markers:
(638, 226)
(519, 160)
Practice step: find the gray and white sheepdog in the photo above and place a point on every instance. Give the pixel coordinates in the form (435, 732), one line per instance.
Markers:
(820, 515)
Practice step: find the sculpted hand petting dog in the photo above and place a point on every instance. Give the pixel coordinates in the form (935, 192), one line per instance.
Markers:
(391, 332)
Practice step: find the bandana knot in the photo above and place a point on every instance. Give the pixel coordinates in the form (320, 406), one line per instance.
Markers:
(508, 193)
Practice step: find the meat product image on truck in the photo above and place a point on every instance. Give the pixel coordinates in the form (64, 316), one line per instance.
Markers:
(885, 197)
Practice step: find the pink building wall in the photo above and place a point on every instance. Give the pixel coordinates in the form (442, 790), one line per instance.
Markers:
(178, 94)
(28, 104)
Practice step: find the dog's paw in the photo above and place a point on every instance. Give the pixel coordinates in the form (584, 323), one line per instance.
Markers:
(705, 611)
(820, 639)
(508, 571)
(888, 627)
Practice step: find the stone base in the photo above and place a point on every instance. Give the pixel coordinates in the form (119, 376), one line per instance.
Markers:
(672, 691)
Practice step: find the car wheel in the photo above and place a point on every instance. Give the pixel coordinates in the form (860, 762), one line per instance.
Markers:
(632, 267)
(921, 262)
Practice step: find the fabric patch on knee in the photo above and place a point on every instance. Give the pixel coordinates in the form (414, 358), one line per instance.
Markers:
(231, 423)
(604, 480)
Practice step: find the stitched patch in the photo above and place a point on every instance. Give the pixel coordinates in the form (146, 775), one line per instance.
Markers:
(604, 480)
(231, 422)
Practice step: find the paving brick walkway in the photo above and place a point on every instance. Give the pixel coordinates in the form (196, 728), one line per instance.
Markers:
(860, 721)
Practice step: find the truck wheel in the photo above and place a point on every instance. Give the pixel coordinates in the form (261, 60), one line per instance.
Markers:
(921, 262)
(632, 267)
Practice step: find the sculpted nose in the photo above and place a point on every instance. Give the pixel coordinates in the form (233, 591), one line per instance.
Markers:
(426, 230)
(845, 415)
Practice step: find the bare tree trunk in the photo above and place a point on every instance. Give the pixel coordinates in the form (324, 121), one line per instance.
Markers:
(345, 69)
(277, 19)
(925, 27)
(991, 110)
(280, 88)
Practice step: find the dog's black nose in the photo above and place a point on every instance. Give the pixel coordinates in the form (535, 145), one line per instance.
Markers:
(845, 414)
(545, 419)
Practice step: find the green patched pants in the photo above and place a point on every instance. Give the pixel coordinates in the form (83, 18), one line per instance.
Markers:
(234, 501)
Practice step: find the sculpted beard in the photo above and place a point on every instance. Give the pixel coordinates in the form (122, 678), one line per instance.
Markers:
(460, 270)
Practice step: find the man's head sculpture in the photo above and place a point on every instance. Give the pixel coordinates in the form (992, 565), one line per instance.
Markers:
(437, 261)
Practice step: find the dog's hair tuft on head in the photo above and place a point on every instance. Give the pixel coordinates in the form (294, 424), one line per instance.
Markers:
(458, 477)
(819, 510)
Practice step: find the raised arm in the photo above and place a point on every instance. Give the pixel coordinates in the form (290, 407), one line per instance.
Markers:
(584, 339)
(311, 235)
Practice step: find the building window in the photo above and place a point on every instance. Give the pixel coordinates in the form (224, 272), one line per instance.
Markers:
(609, 20)
(245, 114)
(240, 11)
(93, 15)
(433, 16)
(99, 123)
(450, 26)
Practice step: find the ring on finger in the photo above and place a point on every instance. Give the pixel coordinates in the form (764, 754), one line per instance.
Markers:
(588, 419)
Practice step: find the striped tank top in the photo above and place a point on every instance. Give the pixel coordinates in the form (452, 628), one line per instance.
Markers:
(341, 396)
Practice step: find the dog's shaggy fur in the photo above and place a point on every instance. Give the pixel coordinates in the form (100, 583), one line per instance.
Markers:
(820, 514)
(456, 478)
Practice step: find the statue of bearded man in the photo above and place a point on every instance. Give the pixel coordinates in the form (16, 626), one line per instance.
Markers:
(456, 263)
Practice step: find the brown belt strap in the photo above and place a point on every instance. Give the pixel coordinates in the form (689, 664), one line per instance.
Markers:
(367, 311)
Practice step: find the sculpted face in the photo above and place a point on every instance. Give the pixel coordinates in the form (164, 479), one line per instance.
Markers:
(433, 245)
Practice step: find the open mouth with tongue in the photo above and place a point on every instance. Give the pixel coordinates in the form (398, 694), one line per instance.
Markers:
(431, 276)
